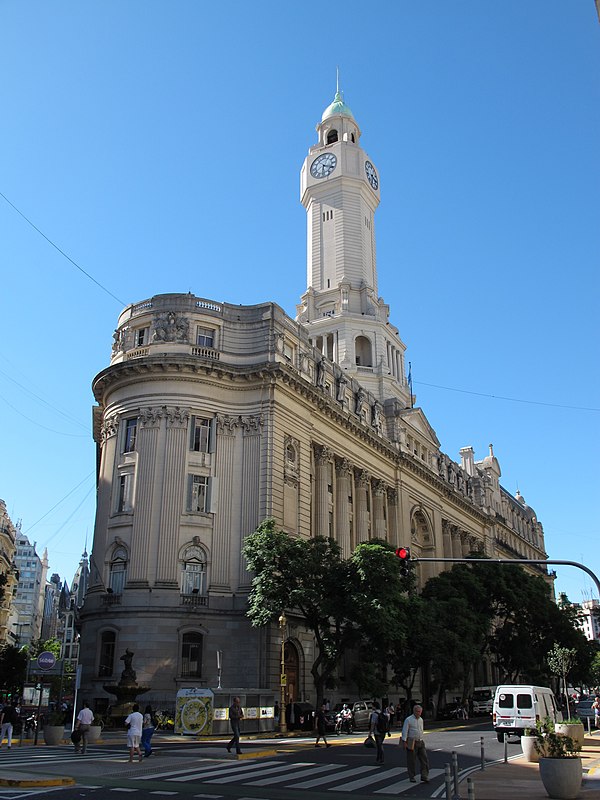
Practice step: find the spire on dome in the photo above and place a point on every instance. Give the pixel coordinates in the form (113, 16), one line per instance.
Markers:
(338, 107)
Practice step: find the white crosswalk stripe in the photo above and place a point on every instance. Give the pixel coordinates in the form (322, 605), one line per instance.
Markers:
(403, 786)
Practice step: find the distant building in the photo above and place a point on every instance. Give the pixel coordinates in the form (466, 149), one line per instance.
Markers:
(28, 603)
(8, 540)
(212, 417)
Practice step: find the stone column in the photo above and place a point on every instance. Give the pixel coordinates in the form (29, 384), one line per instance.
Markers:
(465, 540)
(173, 499)
(393, 517)
(343, 471)
(379, 526)
(227, 428)
(141, 534)
(250, 489)
(322, 456)
(108, 447)
(362, 481)
(447, 540)
(456, 543)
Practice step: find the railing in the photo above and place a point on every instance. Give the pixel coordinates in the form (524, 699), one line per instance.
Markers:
(141, 306)
(206, 352)
(110, 599)
(140, 352)
(194, 600)
(208, 305)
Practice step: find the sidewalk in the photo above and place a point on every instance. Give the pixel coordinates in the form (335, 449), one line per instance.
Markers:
(520, 779)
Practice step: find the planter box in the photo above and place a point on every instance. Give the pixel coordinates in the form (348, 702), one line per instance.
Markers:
(573, 729)
(561, 777)
(54, 734)
(94, 733)
(528, 747)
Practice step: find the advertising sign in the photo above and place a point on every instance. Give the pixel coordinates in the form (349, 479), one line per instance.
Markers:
(194, 711)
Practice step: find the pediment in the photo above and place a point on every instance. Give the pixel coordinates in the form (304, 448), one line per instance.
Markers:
(415, 419)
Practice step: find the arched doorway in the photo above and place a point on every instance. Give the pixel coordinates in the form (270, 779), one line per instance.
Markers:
(292, 671)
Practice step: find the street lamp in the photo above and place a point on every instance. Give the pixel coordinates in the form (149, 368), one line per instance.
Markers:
(283, 677)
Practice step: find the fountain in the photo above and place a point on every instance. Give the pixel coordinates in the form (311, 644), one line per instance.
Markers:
(126, 690)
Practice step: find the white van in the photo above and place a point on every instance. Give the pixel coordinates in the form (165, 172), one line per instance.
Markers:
(517, 707)
(483, 699)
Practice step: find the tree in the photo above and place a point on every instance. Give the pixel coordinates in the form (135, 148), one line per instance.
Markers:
(560, 661)
(344, 602)
(13, 668)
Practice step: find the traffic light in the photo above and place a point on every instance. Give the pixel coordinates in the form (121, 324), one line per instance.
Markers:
(403, 554)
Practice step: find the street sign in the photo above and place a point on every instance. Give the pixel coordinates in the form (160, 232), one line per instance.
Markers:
(284, 680)
(46, 660)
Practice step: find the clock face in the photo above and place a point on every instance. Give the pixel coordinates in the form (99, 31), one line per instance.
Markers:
(323, 165)
(371, 175)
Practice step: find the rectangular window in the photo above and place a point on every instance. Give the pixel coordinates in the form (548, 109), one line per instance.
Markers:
(140, 337)
(198, 493)
(205, 337)
(130, 435)
(194, 579)
(116, 579)
(200, 435)
(191, 655)
(124, 502)
(107, 654)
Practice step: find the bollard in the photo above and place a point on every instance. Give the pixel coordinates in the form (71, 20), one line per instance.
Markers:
(482, 754)
(589, 723)
(470, 789)
(506, 748)
(455, 773)
(448, 781)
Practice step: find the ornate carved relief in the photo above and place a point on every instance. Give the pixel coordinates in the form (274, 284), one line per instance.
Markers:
(227, 424)
(109, 428)
(362, 478)
(171, 327)
(343, 467)
(119, 337)
(392, 496)
(379, 488)
(177, 417)
(322, 454)
(251, 424)
(151, 417)
(340, 389)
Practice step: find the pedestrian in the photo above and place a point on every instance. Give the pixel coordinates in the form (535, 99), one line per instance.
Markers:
(321, 726)
(236, 715)
(378, 727)
(391, 712)
(276, 714)
(84, 720)
(8, 719)
(412, 737)
(147, 731)
(134, 723)
(596, 710)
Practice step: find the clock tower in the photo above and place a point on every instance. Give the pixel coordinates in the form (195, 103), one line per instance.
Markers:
(345, 318)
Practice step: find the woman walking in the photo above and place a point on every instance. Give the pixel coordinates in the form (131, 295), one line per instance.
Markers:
(147, 731)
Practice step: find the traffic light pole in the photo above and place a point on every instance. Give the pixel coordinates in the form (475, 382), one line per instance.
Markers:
(513, 561)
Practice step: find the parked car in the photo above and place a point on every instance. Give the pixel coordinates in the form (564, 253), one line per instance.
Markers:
(361, 714)
(301, 717)
(584, 710)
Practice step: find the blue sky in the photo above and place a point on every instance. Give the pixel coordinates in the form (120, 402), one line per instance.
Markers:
(158, 144)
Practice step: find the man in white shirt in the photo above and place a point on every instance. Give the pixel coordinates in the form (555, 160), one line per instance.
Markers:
(412, 738)
(84, 720)
(134, 723)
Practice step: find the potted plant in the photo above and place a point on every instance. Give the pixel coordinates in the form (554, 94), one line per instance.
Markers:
(571, 727)
(54, 728)
(528, 742)
(560, 766)
(95, 729)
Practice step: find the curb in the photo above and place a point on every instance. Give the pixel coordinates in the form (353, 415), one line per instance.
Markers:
(28, 783)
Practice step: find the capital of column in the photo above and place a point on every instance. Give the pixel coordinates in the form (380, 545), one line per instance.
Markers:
(322, 453)
(177, 417)
(227, 424)
(379, 488)
(110, 426)
(252, 424)
(362, 478)
(151, 417)
(343, 467)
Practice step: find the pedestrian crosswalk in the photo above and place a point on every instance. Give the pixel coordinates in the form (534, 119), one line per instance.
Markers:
(302, 775)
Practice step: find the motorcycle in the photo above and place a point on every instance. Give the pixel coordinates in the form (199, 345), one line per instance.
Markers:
(343, 723)
(30, 725)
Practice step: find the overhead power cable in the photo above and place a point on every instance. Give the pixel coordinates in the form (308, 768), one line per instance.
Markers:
(31, 527)
(62, 252)
(510, 399)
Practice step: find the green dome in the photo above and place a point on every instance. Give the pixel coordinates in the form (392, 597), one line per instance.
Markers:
(336, 108)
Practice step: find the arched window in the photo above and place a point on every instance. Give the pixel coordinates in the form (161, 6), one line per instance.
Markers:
(106, 659)
(191, 655)
(363, 352)
(118, 571)
(332, 136)
(193, 571)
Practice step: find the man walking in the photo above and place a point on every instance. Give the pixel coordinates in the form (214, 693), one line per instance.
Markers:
(134, 724)
(414, 745)
(378, 727)
(235, 716)
(321, 725)
(8, 719)
(84, 720)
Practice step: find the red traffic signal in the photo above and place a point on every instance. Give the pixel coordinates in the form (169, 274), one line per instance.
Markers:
(403, 553)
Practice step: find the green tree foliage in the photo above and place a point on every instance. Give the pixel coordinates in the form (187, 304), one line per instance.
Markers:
(561, 661)
(344, 602)
(13, 667)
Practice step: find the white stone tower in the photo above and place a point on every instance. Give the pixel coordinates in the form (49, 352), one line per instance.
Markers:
(346, 319)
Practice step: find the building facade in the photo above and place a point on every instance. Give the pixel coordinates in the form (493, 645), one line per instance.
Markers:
(212, 417)
(8, 546)
(30, 596)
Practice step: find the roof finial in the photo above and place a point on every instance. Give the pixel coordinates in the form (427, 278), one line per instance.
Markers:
(337, 80)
